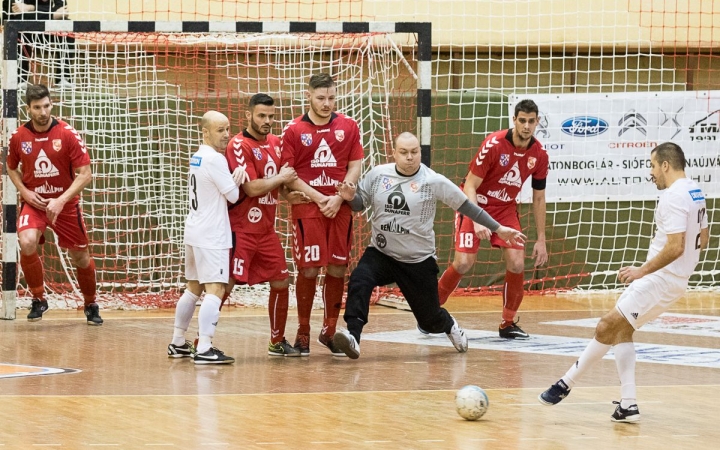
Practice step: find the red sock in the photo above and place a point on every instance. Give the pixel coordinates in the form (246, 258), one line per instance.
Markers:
(449, 281)
(87, 283)
(33, 270)
(512, 295)
(332, 298)
(278, 310)
(305, 293)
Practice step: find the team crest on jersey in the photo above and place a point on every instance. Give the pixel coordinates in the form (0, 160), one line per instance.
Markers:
(531, 162)
(504, 159)
(257, 153)
(414, 186)
(57, 144)
(387, 183)
(254, 215)
(26, 147)
(306, 139)
(339, 135)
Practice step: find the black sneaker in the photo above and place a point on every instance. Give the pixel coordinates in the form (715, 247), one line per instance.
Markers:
(346, 343)
(513, 331)
(629, 415)
(92, 312)
(302, 344)
(212, 356)
(37, 309)
(426, 333)
(187, 350)
(555, 393)
(328, 343)
(282, 348)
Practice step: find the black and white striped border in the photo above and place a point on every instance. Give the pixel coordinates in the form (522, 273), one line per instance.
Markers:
(423, 30)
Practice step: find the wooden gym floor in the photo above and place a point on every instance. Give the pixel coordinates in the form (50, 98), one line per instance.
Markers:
(398, 395)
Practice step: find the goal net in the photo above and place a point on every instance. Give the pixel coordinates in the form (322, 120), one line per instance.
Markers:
(136, 98)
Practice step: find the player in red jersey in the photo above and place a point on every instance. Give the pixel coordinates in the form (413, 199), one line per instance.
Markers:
(324, 148)
(502, 164)
(258, 255)
(49, 164)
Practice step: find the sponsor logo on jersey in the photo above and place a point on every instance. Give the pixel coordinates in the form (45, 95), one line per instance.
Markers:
(339, 135)
(504, 159)
(323, 156)
(324, 130)
(323, 180)
(44, 139)
(697, 195)
(512, 176)
(270, 169)
(267, 199)
(44, 168)
(306, 139)
(48, 189)
(414, 186)
(481, 199)
(380, 240)
(254, 215)
(57, 144)
(531, 162)
(341, 258)
(396, 203)
(195, 161)
(500, 194)
(393, 227)
(584, 126)
(26, 147)
(258, 154)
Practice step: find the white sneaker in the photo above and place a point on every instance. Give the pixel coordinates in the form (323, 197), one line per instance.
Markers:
(64, 83)
(457, 337)
(346, 342)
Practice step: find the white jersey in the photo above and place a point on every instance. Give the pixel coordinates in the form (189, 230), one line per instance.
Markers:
(404, 209)
(681, 209)
(208, 224)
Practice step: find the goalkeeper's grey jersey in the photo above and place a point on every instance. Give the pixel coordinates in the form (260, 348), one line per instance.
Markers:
(403, 209)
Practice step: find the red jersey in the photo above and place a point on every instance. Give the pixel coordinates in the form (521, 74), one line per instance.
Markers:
(504, 168)
(320, 154)
(49, 159)
(254, 215)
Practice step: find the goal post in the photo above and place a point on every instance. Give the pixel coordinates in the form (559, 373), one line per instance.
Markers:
(138, 91)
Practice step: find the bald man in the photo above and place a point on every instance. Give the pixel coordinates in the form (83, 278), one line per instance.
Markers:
(403, 196)
(207, 242)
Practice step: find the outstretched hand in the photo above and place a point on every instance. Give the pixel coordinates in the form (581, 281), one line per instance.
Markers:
(346, 190)
(240, 176)
(511, 235)
(297, 198)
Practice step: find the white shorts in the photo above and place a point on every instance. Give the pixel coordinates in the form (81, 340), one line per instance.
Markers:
(207, 265)
(648, 297)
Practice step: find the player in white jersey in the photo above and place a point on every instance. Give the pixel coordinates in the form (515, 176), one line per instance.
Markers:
(207, 242)
(404, 197)
(682, 232)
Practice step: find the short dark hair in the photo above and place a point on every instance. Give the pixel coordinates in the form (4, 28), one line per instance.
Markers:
(261, 99)
(321, 80)
(36, 92)
(670, 152)
(527, 106)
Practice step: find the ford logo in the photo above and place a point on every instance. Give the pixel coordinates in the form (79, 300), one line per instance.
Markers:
(584, 126)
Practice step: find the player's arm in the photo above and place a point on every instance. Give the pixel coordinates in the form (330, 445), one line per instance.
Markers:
(471, 184)
(262, 186)
(334, 202)
(673, 249)
(83, 177)
(30, 197)
(539, 210)
(704, 238)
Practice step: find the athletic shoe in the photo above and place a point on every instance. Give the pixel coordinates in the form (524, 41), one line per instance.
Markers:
(92, 312)
(327, 342)
(457, 337)
(346, 343)
(629, 415)
(37, 309)
(212, 356)
(513, 331)
(426, 333)
(282, 348)
(187, 350)
(302, 344)
(554, 394)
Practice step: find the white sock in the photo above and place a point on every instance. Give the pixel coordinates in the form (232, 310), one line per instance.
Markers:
(593, 353)
(625, 361)
(207, 321)
(183, 315)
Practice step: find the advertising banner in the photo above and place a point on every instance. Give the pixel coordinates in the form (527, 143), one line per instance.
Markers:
(599, 144)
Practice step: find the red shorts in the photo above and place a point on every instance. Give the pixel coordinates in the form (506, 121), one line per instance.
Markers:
(257, 258)
(69, 226)
(467, 242)
(319, 241)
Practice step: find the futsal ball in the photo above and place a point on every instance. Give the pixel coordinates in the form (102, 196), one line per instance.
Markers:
(471, 402)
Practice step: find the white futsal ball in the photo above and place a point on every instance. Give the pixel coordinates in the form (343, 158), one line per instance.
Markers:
(471, 402)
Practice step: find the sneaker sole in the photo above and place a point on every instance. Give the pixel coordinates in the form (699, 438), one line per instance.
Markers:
(543, 402)
(178, 356)
(207, 362)
(519, 338)
(287, 355)
(94, 323)
(343, 343)
(631, 419)
(339, 355)
(36, 319)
